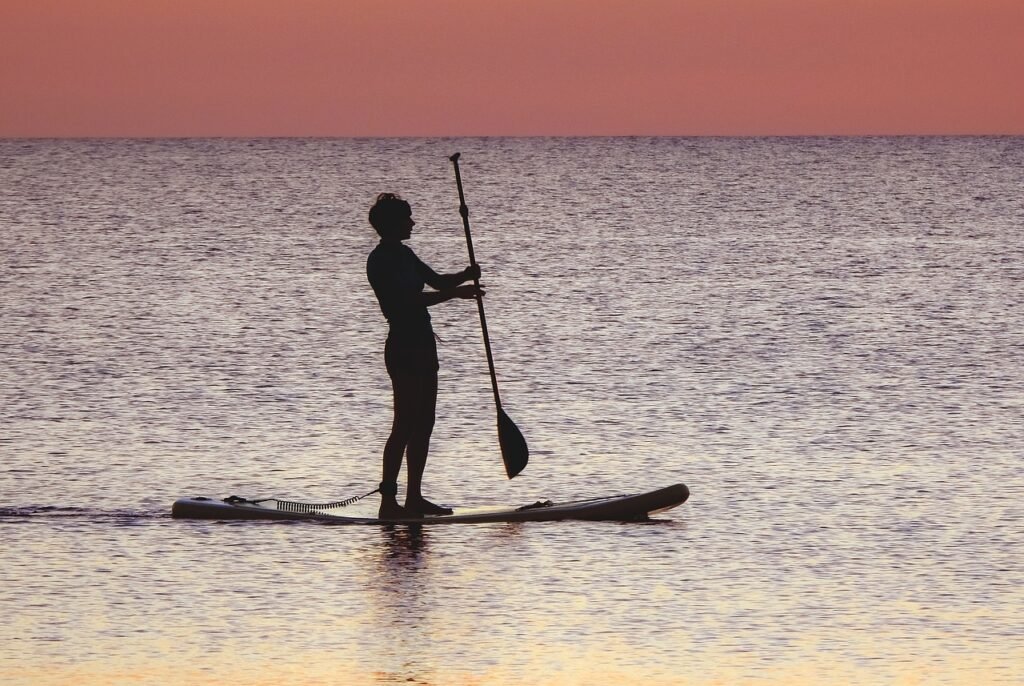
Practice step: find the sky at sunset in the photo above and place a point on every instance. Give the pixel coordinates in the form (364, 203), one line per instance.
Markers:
(510, 67)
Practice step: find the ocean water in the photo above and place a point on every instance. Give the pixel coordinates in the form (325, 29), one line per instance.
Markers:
(821, 337)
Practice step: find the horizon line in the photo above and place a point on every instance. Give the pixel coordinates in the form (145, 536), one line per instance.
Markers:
(486, 136)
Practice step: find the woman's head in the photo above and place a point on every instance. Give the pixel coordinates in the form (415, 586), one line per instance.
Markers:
(391, 216)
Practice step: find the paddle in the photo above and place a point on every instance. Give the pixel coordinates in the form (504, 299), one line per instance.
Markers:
(513, 446)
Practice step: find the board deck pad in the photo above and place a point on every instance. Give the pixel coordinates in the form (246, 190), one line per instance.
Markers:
(637, 506)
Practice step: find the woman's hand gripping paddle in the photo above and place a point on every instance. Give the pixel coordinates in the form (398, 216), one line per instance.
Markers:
(513, 446)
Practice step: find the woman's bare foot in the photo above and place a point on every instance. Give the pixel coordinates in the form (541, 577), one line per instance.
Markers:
(390, 509)
(422, 506)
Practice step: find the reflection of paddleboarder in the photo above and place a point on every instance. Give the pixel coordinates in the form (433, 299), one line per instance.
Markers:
(410, 353)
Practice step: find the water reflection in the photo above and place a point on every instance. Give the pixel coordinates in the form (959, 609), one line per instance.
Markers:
(403, 551)
(398, 605)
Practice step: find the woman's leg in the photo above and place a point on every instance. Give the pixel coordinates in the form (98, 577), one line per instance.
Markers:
(405, 392)
(415, 402)
(401, 429)
(421, 427)
(419, 446)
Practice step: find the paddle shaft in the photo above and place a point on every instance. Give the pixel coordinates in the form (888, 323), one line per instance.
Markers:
(514, 451)
(464, 211)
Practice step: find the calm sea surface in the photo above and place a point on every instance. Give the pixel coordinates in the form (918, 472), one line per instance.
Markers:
(823, 338)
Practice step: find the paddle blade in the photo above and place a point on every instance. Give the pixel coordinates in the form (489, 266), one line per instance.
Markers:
(513, 446)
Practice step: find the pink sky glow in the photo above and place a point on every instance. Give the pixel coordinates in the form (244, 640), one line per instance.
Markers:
(510, 67)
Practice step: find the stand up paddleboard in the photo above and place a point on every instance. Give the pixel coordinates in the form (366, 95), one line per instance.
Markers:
(636, 507)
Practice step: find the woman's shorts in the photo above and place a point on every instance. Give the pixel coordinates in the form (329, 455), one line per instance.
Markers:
(404, 357)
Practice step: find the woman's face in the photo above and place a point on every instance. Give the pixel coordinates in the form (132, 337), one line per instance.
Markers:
(404, 227)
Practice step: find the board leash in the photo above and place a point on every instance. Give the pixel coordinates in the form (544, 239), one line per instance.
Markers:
(297, 507)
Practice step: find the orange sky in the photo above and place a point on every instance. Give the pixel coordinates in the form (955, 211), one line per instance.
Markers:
(510, 67)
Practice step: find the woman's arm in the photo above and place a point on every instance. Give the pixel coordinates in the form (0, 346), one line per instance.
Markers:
(449, 286)
(444, 282)
(467, 292)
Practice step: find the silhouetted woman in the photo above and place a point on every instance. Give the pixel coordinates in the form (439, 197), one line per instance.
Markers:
(410, 353)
